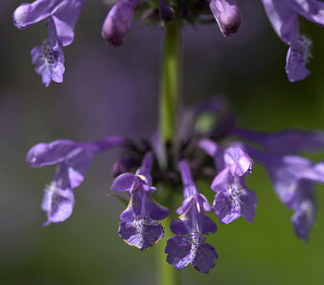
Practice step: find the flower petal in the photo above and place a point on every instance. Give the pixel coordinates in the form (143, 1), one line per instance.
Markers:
(124, 182)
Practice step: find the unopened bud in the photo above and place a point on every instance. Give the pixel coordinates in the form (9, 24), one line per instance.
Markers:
(117, 22)
(227, 15)
(166, 12)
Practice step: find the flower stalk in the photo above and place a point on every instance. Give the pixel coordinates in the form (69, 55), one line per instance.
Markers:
(169, 102)
(170, 81)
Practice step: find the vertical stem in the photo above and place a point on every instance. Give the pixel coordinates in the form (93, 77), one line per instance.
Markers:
(170, 81)
(167, 274)
(169, 101)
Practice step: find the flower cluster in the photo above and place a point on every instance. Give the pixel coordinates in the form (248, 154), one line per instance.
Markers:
(200, 154)
(61, 17)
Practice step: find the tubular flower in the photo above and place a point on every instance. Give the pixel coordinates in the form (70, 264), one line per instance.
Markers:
(73, 160)
(64, 13)
(189, 246)
(61, 17)
(116, 25)
(228, 16)
(140, 227)
(232, 198)
(293, 179)
(283, 15)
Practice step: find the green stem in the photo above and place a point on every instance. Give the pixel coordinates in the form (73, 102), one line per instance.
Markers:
(170, 81)
(167, 274)
(170, 96)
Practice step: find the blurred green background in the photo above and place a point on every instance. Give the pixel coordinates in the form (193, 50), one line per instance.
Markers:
(109, 91)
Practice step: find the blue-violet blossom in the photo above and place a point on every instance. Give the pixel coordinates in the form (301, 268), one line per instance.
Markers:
(189, 246)
(117, 22)
(232, 198)
(140, 227)
(227, 14)
(293, 178)
(283, 15)
(73, 160)
(61, 17)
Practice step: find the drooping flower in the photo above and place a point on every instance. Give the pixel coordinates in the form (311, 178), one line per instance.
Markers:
(49, 58)
(140, 227)
(64, 13)
(227, 15)
(61, 17)
(304, 216)
(283, 15)
(293, 178)
(297, 58)
(117, 22)
(189, 246)
(232, 198)
(73, 160)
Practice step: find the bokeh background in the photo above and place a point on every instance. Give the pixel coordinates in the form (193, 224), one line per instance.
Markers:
(108, 91)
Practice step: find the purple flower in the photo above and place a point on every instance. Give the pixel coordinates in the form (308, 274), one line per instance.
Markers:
(49, 61)
(117, 22)
(297, 57)
(139, 227)
(49, 58)
(304, 218)
(64, 13)
(232, 198)
(283, 15)
(73, 160)
(293, 179)
(227, 15)
(61, 17)
(189, 246)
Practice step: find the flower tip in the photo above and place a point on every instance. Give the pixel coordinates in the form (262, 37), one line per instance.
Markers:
(113, 41)
(117, 23)
(227, 15)
(45, 224)
(34, 153)
(20, 14)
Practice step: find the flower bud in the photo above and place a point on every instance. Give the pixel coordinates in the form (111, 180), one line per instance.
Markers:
(227, 15)
(117, 22)
(166, 12)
